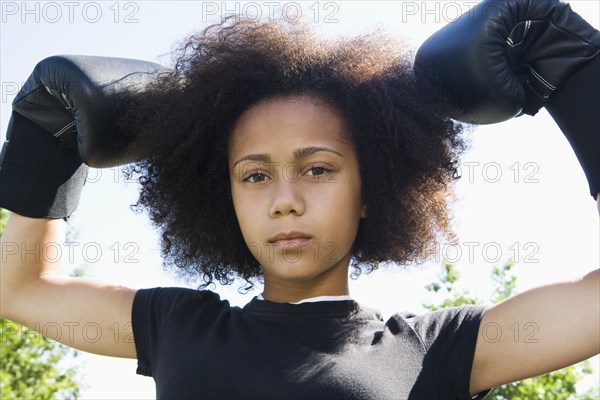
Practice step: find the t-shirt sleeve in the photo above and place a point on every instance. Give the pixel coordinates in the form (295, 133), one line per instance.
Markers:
(150, 313)
(450, 336)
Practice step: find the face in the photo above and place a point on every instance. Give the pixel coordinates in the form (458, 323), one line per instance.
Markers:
(296, 188)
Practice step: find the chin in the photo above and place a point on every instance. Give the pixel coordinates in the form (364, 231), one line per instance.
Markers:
(296, 272)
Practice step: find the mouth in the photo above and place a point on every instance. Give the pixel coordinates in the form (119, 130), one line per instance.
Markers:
(290, 240)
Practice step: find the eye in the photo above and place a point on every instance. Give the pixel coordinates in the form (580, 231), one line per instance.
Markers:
(317, 170)
(255, 177)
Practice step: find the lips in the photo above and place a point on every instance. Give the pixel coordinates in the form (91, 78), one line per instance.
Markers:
(290, 239)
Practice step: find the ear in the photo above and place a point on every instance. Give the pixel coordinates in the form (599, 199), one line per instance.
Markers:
(363, 211)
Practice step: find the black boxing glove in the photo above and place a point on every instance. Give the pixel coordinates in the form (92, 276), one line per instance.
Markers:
(505, 58)
(575, 108)
(64, 116)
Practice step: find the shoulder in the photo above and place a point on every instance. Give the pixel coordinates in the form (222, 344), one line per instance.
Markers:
(164, 301)
(156, 308)
(447, 323)
(458, 314)
(162, 294)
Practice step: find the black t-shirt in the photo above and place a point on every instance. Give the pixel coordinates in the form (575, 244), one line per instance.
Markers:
(196, 345)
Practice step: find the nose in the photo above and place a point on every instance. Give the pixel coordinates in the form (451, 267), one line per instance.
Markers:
(287, 198)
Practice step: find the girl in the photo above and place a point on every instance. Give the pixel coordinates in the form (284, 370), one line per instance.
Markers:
(271, 154)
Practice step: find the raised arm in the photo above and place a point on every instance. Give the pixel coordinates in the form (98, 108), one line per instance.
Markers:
(538, 331)
(65, 114)
(502, 59)
(82, 313)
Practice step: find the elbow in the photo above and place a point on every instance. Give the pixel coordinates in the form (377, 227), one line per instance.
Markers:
(591, 286)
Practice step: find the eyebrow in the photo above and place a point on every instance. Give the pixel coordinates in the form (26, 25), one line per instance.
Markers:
(298, 154)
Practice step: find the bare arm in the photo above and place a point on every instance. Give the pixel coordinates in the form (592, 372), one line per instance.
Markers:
(538, 331)
(79, 312)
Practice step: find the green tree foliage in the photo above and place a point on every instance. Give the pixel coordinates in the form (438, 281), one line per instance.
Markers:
(558, 385)
(30, 364)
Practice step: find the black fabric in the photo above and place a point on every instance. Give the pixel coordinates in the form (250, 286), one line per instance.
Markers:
(196, 345)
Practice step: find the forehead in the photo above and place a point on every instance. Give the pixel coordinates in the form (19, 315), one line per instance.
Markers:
(293, 122)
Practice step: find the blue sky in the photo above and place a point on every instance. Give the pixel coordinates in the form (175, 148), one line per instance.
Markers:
(522, 195)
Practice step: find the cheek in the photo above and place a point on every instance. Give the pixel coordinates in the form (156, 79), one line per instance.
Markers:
(243, 210)
(341, 206)
(350, 190)
(353, 205)
(251, 213)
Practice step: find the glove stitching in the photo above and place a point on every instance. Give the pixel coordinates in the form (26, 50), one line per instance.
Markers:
(66, 127)
(68, 106)
(510, 41)
(541, 79)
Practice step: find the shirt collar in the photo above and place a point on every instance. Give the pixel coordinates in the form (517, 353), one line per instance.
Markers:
(315, 299)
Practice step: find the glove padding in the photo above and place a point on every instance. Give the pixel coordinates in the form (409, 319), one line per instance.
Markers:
(40, 177)
(72, 95)
(65, 115)
(505, 58)
(576, 110)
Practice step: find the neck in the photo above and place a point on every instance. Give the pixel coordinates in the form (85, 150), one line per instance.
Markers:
(332, 282)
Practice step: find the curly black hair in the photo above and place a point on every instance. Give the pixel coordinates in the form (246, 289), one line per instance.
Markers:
(407, 148)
